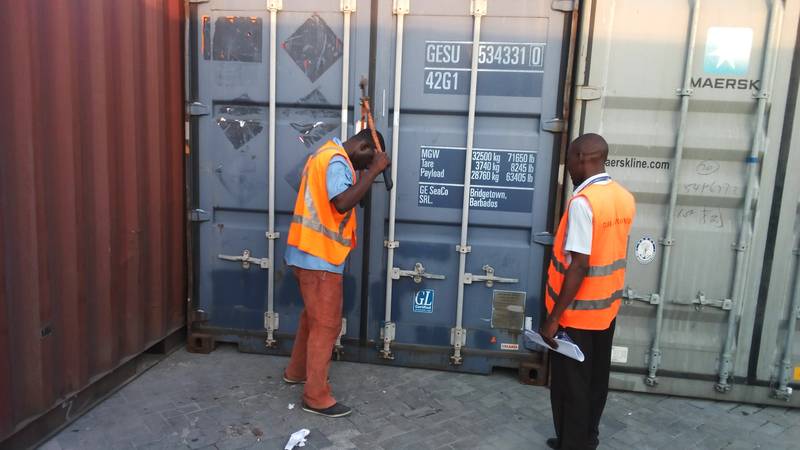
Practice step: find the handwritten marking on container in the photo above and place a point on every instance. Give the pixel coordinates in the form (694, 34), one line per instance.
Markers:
(707, 167)
(711, 187)
(711, 217)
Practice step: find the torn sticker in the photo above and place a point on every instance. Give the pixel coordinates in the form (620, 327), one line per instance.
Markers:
(237, 39)
(240, 124)
(314, 47)
(311, 133)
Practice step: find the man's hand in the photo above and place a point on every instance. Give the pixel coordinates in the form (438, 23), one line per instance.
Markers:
(548, 331)
(379, 162)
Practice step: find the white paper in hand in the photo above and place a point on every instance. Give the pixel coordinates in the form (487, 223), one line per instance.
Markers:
(565, 345)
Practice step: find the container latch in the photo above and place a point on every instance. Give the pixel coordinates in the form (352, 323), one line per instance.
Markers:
(246, 260)
(489, 278)
(417, 274)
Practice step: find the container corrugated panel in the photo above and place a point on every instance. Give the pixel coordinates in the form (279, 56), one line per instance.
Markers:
(777, 361)
(630, 89)
(91, 193)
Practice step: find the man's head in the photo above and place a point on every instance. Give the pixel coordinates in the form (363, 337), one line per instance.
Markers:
(361, 147)
(586, 156)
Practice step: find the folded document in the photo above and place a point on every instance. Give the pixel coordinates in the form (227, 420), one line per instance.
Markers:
(565, 345)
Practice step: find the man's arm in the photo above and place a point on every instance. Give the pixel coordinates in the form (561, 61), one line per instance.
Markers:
(573, 278)
(348, 199)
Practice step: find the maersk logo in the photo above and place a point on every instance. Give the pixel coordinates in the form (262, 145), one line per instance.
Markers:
(728, 51)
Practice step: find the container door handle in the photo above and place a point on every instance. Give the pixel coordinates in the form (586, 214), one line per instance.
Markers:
(489, 278)
(246, 260)
(417, 274)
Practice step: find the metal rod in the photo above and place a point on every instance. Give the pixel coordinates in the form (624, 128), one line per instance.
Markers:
(391, 244)
(463, 247)
(685, 92)
(742, 246)
(783, 391)
(345, 73)
(271, 235)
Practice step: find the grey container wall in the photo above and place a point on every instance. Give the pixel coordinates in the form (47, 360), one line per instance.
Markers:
(633, 70)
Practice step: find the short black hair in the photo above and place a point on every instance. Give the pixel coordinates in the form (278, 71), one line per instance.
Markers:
(365, 135)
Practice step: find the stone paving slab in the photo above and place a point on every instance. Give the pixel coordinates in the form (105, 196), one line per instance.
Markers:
(229, 400)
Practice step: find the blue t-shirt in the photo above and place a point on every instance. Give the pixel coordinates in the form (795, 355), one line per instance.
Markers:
(338, 179)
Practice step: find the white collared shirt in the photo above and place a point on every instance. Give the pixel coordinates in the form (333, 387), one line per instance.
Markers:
(579, 222)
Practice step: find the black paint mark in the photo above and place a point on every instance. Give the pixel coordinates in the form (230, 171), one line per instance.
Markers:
(240, 123)
(314, 47)
(237, 39)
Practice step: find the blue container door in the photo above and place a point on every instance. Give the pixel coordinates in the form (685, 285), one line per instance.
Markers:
(513, 167)
(233, 67)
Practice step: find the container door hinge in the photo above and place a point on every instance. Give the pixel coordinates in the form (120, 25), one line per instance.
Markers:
(246, 260)
(587, 93)
(196, 109)
(198, 215)
(564, 5)
(489, 278)
(555, 125)
(417, 274)
(544, 238)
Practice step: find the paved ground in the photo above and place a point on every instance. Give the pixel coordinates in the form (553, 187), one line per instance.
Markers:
(230, 400)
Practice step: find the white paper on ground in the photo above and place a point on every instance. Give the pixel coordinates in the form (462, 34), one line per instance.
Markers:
(565, 347)
(298, 438)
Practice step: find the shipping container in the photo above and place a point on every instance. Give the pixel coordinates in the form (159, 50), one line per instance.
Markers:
(92, 250)
(696, 99)
(693, 105)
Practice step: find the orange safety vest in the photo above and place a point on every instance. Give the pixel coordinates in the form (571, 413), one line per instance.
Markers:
(317, 227)
(599, 297)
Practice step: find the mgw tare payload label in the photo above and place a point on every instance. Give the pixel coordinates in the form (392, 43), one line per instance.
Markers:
(501, 179)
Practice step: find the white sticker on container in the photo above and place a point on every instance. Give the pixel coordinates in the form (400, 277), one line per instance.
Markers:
(507, 346)
(619, 354)
(645, 250)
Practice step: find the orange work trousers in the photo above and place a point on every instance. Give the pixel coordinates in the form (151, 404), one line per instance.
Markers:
(320, 324)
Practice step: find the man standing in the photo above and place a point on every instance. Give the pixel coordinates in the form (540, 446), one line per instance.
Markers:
(584, 291)
(321, 235)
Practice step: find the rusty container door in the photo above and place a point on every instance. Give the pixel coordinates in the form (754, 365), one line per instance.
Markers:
(91, 174)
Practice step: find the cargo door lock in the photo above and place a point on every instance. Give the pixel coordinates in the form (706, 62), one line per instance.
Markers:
(417, 274)
(489, 278)
(246, 260)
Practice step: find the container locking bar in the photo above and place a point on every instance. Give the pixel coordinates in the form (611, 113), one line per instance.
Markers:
(246, 260)
(400, 8)
(489, 278)
(417, 274)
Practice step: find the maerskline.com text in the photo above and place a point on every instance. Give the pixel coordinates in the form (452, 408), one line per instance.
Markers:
(637, 163)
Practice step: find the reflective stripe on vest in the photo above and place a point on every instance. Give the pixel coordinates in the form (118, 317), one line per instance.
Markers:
(580, 304)
(594, 271)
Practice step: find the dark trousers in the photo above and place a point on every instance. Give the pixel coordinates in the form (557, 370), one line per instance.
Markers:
(578, 390)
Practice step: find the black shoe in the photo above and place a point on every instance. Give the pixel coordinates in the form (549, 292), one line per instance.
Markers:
(337, 410)
(553, 443)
